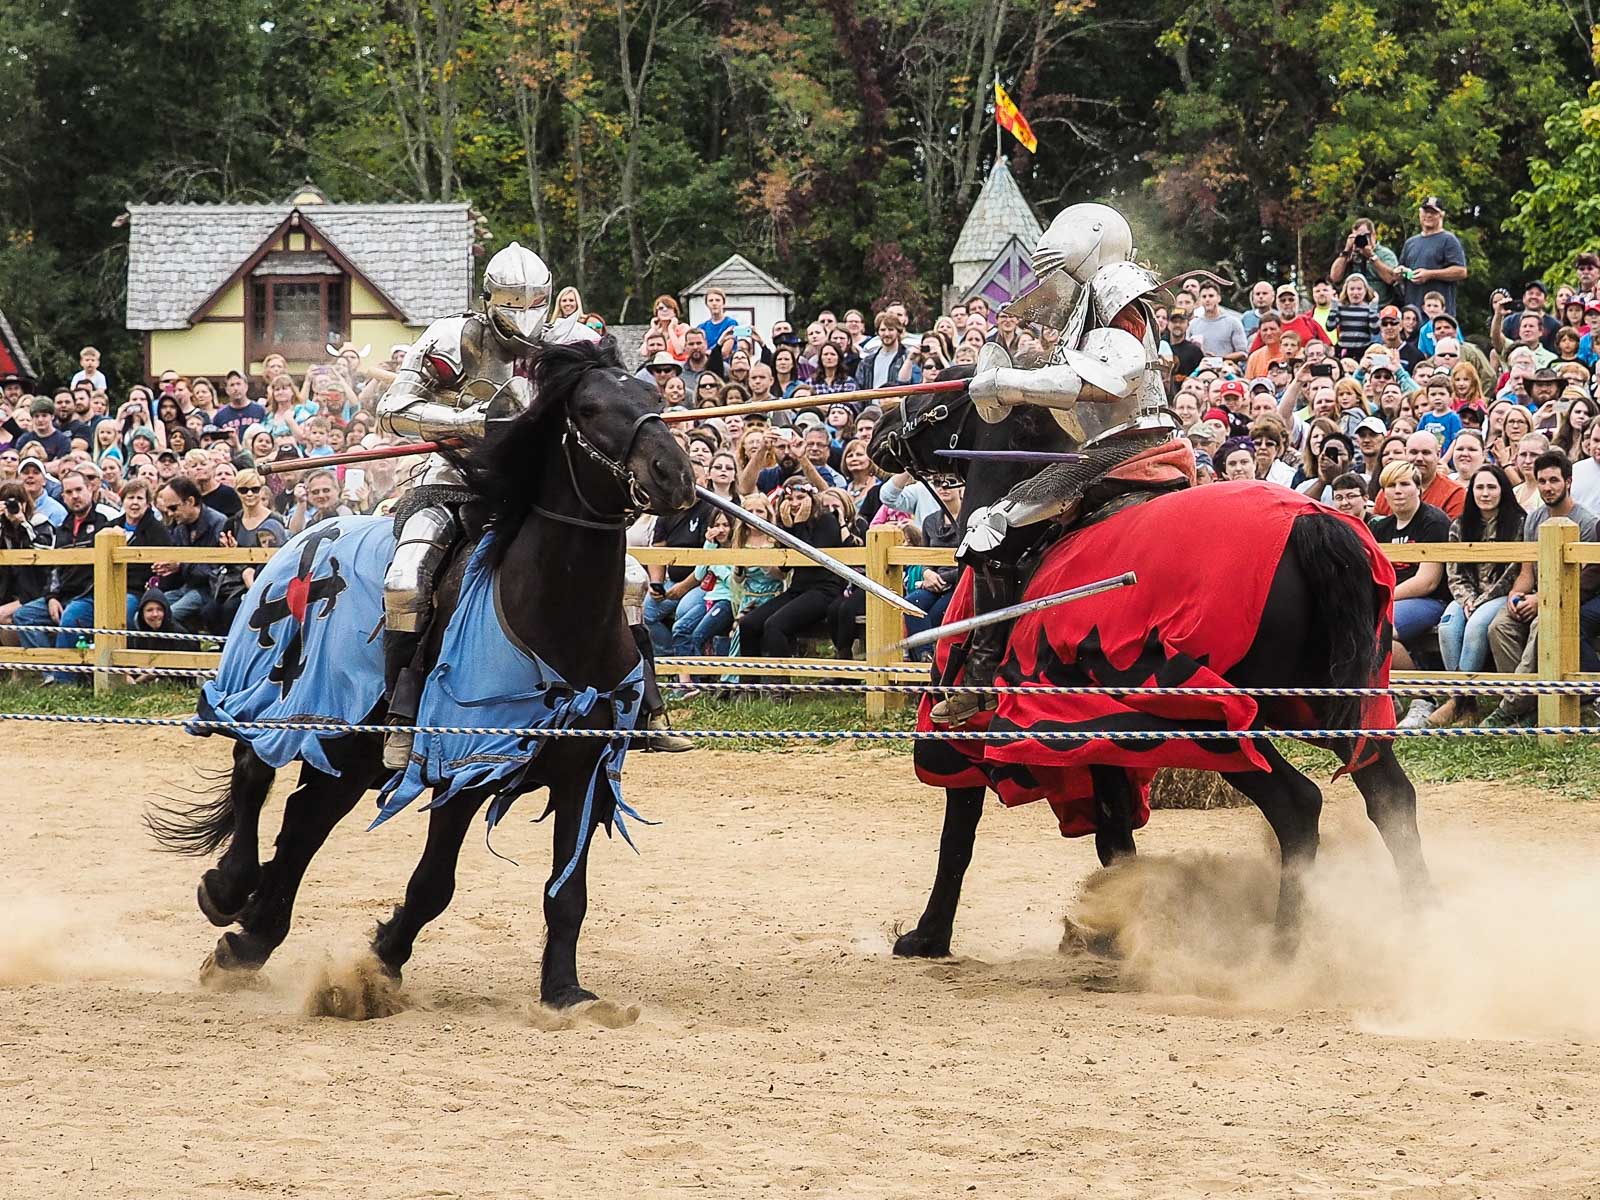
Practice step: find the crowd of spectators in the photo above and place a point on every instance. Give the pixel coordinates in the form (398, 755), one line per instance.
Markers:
(1366, 391)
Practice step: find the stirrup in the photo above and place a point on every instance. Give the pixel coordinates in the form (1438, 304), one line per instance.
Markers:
(961, 707)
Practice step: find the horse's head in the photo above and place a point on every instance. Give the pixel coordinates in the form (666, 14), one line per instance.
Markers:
(593, 432)
(909, 440)
(906, 438)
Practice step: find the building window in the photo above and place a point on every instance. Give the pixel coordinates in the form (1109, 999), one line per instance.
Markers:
(296, 316)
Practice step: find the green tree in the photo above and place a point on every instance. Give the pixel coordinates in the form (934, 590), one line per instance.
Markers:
(1558, 214)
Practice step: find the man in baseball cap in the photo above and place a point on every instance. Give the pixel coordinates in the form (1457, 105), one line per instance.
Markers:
(1433, 260)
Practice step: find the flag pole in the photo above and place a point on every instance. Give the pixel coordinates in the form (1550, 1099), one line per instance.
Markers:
(999, 140)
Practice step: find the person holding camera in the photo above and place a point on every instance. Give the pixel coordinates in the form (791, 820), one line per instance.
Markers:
(1362, 253)
(22, 527)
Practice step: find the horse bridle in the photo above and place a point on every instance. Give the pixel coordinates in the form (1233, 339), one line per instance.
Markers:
(627, 479)
(900, 440)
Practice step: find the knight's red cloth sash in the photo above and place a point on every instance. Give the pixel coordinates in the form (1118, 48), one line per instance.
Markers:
(1205, 558)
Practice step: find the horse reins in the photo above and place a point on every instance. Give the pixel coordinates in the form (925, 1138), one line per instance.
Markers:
(638, 498)
(931, 415)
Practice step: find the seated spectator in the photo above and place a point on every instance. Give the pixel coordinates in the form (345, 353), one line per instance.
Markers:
(1467, 455)
(1514, 632)
(201, 466)
(191, 524)
(771, 627)
(317, 499)
(21, 528)
(1478, 590)
(1420, 593)
(936, 585)
(143, 527)
(1350, 496)
(706, 610)
(254, 526)
(1438, 489)
(1336, 457)
(68, 600)
(751, 587)
(152, 613)
(35, 482)
(1236, 459)
(1272, 443)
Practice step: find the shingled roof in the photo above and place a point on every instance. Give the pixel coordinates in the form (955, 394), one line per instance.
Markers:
(737, 275)
(418, 255)
(1000, 214)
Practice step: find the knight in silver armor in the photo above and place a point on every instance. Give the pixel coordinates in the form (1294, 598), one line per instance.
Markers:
(1102, 383)
(460, 375)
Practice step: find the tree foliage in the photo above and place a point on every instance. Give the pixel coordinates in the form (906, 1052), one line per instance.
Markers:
(636, 143)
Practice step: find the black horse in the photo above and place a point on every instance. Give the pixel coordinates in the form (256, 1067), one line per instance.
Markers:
(557, 487)
(1319, 628)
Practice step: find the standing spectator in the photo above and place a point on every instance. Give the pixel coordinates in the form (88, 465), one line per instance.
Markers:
(718, 322)
(1432, 260)
(1219, 332)
(1186, 354)
(1514, 632)
(664, 320)
(191, 525)
(1259, 364)
(89, 370)
(68, 600)
(1438, 489)
(697, 364)
(57, 443)
(1303, 325)
(240, 412)
(1534, 297)
(1260, 306)
(1358, 320)
(199, 466)
(1420, 593)
(1478, 591)
(1436, 414)
(882, 366)
(1364, 253)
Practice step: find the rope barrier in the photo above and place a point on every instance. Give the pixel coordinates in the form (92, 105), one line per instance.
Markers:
(809, 735)
(1509, 688)
(138, 633)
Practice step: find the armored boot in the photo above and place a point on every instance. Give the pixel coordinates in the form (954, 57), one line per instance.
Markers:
(403, 685)
(994, 585)
(661, 737)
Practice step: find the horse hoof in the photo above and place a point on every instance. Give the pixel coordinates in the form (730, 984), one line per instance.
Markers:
(222, 972)
(208, 905)
(917, 944)
(568, 997)
(1080, 939)
(364, 990)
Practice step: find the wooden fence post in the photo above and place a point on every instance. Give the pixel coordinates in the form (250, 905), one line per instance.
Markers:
(1558, 619)
(885, 622)
(110, 604)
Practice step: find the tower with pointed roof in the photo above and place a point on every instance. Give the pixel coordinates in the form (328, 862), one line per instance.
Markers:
(1000, 226)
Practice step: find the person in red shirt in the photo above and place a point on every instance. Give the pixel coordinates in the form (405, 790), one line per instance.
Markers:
(1292, 320)
(1438, 489)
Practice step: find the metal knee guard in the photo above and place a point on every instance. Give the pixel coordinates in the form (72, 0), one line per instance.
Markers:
(425, 539)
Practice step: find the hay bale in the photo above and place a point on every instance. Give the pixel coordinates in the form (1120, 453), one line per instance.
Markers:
(1177, 787)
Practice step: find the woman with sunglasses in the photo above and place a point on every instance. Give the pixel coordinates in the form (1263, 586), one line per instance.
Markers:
(254, 525)
(707, 390)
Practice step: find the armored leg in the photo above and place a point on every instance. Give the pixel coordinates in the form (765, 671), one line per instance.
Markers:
(425, 540)
(653, 706)
(994, 585)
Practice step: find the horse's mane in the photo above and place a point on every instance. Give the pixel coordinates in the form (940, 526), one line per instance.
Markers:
(497, 470)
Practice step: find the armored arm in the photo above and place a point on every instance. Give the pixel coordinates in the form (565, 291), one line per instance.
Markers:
(431, 396)
(1106, 369)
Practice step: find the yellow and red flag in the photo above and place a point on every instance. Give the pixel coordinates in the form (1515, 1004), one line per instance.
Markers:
(1010, 118)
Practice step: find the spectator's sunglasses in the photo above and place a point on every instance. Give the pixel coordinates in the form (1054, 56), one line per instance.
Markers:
(708, 382)
(248, 491)
(946, 482)
(1390, 321)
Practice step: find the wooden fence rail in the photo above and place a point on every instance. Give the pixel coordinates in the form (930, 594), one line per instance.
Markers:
(1558, 554)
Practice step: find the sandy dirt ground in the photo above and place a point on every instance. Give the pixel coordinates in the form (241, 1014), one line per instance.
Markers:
(780, 1049)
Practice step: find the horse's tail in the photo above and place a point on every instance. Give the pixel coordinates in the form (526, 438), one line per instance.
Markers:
(1344, 616)
(197, 827)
